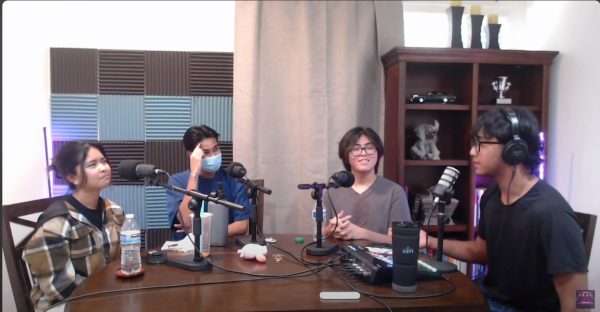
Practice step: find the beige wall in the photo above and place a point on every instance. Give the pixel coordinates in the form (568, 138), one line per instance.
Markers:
(569, 27)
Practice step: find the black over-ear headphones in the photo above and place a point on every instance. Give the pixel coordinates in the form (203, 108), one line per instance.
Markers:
(515, 151)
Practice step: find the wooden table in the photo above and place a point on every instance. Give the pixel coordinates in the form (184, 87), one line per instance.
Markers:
(167, 288)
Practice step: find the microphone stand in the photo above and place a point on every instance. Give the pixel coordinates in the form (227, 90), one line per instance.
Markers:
(253, 195)
(198, 262)
(440, 203)
(320, 249)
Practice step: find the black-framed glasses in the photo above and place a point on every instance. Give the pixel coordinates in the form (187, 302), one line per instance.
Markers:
(476, 144)
(357, 150)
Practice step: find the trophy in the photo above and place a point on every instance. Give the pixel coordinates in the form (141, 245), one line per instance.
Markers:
(501, 85)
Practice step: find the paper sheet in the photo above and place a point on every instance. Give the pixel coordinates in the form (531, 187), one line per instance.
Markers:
(184, 245)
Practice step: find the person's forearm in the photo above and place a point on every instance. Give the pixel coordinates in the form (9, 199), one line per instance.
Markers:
(184, 210)
(461, 250)
(566, 286)
(237, 228)
(377, 237)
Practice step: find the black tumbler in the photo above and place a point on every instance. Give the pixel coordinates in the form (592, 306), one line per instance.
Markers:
(405, 251)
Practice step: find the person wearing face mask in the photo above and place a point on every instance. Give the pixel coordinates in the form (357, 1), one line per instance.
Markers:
(367, 209)
(202, 147)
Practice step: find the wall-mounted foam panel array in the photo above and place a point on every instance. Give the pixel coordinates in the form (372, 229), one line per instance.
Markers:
(138, 104)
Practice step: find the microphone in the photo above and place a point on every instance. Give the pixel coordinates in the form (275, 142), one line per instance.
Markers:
(445, 184)
(236, 170)
(134, 170)
(343, 178)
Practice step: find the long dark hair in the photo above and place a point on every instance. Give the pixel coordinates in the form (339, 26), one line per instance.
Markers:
(71, 156)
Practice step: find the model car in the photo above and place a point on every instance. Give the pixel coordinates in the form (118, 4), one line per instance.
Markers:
(433, 96)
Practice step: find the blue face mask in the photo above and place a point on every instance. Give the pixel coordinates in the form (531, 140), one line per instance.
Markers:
(211, 164)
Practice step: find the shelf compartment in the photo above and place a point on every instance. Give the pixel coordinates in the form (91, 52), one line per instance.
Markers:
(451, 78)
(526, 83)
(440, 163)
(529, 107)
(441, 107)
(454, 139)
(419, 179)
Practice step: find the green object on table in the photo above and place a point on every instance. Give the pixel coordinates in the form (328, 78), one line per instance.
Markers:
(299, 240)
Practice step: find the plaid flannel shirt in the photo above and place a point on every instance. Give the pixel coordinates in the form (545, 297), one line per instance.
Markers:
(67, 248)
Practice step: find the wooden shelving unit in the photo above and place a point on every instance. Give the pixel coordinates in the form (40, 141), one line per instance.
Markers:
(467, 74)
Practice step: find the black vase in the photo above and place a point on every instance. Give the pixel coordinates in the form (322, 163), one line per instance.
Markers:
(455, 14)
(476, 21)
(494, 30)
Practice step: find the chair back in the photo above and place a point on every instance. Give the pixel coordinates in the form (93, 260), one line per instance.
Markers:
(18, 271)
(588, 226)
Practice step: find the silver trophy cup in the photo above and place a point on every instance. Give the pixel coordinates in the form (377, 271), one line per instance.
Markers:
(501, 85)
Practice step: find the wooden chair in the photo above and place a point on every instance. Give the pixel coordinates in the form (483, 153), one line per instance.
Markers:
(18, 271)
(588, 226)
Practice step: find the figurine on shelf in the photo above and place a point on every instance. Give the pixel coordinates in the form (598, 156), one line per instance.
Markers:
(425, 147)
(423, 212)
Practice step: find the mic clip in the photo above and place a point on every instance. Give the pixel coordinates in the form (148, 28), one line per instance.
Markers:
(253, 185)
(445, 198)
(219, 194)
(318, 186)
(155, 179)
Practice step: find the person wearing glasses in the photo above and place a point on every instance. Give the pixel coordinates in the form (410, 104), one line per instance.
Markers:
(202, 147)
(365, 210)
(528, 234)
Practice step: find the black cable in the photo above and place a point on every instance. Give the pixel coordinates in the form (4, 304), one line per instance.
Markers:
(105, 292)
(512, 177)
(387, 307)
(296, 274)
(427, 225)
(438, 294)
(334, 213)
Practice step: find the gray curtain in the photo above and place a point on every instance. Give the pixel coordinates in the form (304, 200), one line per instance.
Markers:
(305, 73)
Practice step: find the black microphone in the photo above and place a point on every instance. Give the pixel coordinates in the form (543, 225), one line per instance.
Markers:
(134, 170)
(307, 186)
(236, 170)
(445, 184)
(343, 178)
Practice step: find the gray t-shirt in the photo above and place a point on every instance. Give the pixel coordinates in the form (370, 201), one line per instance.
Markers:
(374, 209)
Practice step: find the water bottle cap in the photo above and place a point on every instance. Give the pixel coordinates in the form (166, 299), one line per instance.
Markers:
(129, 216)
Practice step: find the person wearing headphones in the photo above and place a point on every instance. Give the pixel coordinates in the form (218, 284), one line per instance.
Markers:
(528, 234)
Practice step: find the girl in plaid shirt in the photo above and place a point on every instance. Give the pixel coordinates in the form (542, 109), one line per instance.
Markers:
(76, 236)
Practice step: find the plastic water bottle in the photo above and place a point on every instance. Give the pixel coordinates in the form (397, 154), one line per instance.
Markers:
(323, 224)
(131, 262)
